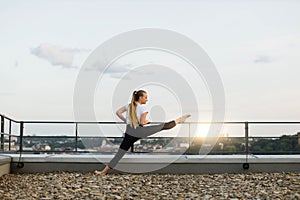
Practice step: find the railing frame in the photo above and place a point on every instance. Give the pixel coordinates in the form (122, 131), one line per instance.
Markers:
(22, 124)
(2, 133)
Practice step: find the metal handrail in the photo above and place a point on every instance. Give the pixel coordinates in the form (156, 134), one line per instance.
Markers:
(10, 134)
(8, 118)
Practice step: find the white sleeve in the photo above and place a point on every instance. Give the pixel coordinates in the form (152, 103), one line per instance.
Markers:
(143, 109)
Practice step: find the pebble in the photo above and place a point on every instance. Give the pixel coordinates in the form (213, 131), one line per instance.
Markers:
(68, 185)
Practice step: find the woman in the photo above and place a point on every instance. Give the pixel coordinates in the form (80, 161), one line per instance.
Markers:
(136, 119)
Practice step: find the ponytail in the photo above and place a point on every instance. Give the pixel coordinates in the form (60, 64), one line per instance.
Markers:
(134, 120)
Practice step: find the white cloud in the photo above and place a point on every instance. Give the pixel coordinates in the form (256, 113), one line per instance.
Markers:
(57, 55)
(115, 70)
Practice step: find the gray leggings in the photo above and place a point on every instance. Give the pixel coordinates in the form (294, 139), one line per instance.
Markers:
(134, 134)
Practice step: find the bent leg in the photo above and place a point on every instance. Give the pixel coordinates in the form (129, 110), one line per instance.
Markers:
(125, 145)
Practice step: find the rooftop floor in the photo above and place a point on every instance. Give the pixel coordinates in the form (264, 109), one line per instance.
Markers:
(67, 185)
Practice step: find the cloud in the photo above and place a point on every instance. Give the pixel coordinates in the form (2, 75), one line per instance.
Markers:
(121, 71)
(57, 55)
(262, 59)
(115, 70)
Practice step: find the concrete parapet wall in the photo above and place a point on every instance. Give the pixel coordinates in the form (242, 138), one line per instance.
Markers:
(4, 165)
(185, 164)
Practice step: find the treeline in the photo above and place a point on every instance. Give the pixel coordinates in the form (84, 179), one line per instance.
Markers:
(286, 144)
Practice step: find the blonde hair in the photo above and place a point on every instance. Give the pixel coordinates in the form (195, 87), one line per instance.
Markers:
(134, 120)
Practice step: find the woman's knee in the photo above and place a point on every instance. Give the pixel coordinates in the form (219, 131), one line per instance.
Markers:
(128, 141)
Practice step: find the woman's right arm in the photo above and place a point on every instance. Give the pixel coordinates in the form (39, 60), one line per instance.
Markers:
(120, 112)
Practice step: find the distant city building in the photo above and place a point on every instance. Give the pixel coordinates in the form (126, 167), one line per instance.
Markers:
(184, 145)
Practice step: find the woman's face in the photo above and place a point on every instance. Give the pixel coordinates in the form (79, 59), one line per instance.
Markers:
(143, 99)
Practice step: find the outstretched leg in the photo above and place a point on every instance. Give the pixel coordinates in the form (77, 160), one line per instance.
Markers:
(146, 131)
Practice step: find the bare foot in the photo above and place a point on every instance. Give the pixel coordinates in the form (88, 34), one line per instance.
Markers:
(103, 172)
(182, 119)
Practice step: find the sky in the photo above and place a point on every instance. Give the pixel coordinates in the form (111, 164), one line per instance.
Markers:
(255, 46)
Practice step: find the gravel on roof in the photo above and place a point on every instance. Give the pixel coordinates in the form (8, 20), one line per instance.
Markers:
(73, 185)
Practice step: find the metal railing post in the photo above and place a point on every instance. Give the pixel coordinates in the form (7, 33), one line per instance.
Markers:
(21, 136)
(132, 148)
(246, 165)
(9, 136)
(247, 139)
(76, 137)
(2, 133)
(189, 138)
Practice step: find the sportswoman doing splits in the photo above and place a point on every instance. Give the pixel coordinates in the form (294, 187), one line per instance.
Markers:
(136, 119)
